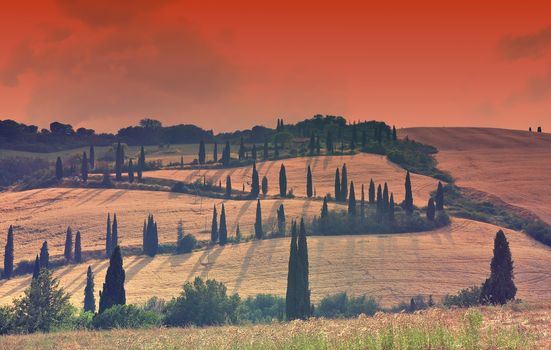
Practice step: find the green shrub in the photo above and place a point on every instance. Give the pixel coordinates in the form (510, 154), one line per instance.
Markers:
(465, 298)
(126, 316)
(186, 244)
(6, 319)
(262, 308)
(342, 306)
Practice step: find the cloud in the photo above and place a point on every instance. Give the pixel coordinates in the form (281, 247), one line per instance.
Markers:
(532, 45)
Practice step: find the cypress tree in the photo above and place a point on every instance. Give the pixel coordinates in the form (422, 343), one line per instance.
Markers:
(36, 268)
(151, 237)
(282, 181)
(394, 136)
(89, 298)
(500, 287)
(430, 210)
(264, 186)
(344, 183)
(337, 185)
(226, 154)
(362, 203)
(215, 152)
(303, 292)
(119, 159)
(281, 220)
(114, 233)
(68, 252)
(352, 200)
(141, 163)
(113, 292)
(228, 186)
(144, 237)
(84, 167)
(386, 199)
(291, 299)
(255, 184)
(440, 197)
(408, 201)
(371, 192)
(108, 237)
(380, 208)
(59, 168)
(214, 226)
(258, 221)
(241, 152)
(130, 171)
(44, 256)
(309, 182)
(391, 208)
(8, 254)
(223, 228)
(78, 248)
(202, 155)
(92, 159)
(253, 152)
(324, 208)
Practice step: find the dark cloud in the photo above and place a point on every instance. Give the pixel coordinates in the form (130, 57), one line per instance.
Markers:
(526, 46)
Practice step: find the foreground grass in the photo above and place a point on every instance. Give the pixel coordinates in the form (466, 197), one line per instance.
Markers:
(483, 328)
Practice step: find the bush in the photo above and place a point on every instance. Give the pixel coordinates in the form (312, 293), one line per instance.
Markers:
(263, 308)
(202, 303)
(186, 244)
(6, 319)
(465, 298)
(126, 316)
(342, 306)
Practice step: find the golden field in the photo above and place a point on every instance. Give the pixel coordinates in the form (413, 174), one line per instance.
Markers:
(44, 214)
(510, 164)
(509, 327)
(391, 268)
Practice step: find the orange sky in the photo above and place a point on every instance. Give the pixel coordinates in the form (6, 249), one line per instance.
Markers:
(233, 64)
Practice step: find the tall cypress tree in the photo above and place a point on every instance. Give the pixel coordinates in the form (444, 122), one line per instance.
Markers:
(151, 237)
(282, 181)
(380, 206)
(215, 152)
(8, 254)
(108, 245)
(130, 171)
(344, 183)
(309, 187)
(59, 168)
(214, 226)
(113, 292)
(144, 236)
(264, 186)
(394, 136)
(84, 167)
(408, 201)
(391, 208)
(255, 184)
(68, 252)
(258, 221)
(500, 287)
(226, 154)
(291, 298)
(202, 154)
(352, 200)
(114, 233)
(89, 298)
(303, 292)
(281, 220)
(223, 228)
(337, 185)
(228, 186)
(119, 159)
(430, 210)
(78, 248)
(36, 268)
(371, 192)
(440, 197)
(92, 159)
(362, 203)
(44, 256)
(324, 209)
(386, 198)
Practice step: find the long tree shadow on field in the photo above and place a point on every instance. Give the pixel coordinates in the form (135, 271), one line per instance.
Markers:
(25, 282)
(30, 194)
(244, 266)
(244, 208)
(113, 197)
(196, 266)
(90, 196)
(141, 263)
(211, 258)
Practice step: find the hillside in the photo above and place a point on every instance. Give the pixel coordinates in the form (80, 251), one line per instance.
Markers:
(392, 268)
(510, 164)
(361, 169)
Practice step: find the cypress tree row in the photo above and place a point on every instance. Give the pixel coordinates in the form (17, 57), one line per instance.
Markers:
(344, 183)
(362, 203)
(119, 159)
(78, 248)
(223, 232)
(113, 292)
(8, 255)
(281, 220)
(391, 208)
(151, 237)
(264, 186)
(324, 209)
(92, 159)
(202, 154)
(371, 192)
(114, 233)
(430, 210)
(499, 288)
(258, 221)
(408, 201)
(352, 200)
(265, 152)
(337, 185)
(130, 171)
(309, 187)
(89, 298)
(68, 252)
(108, 237)
(440, 197)
(255, 185)
(228, 186)
(84, 167)
(59, 168)
(36, 268)
(215, 152)
(282, 181)
(44, 256)
(214, 226)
